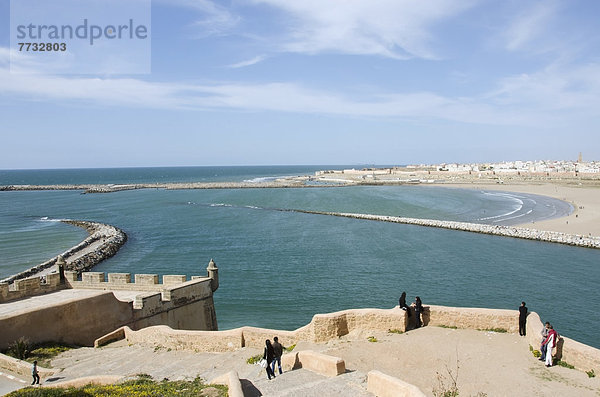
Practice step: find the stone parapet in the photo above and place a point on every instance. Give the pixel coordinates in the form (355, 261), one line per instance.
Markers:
(122, 282)
(31, 286)
(472, 318)
(22, 368)
(86, 315)
(324, 327)
(383, 385)
(320, 363)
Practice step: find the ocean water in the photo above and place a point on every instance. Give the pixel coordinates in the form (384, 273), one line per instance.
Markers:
(278, 268)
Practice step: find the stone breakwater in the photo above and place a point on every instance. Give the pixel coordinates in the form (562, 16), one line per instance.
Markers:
(296, 182)
(497, 230)
(103, 242)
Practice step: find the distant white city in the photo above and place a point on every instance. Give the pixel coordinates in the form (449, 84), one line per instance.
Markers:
(518, 166)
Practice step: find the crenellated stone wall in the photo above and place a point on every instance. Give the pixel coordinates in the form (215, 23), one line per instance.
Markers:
(80, 318)
(30, 286)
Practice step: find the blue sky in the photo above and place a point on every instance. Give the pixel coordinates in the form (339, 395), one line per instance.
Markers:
(262, 82)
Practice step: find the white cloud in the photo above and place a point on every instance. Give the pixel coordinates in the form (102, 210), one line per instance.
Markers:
(390, 28)
(555, 95)
(530, 26)
(248, 62)
(216, 19)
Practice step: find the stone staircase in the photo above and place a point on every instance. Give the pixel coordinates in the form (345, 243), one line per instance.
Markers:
(121, 359)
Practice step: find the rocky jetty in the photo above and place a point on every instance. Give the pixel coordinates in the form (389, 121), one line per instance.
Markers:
(103, 242)
(497, 230)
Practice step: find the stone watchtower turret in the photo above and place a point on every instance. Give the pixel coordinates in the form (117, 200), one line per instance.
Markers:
(213, 273)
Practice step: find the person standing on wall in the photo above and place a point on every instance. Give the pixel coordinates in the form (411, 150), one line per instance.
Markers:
(278, 351)
(418, 311)
(522, 319)
(268, 355)
(402, 303)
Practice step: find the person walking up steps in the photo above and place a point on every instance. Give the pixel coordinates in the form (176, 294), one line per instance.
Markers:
(278, 351)
(268, 355)
(35, 374)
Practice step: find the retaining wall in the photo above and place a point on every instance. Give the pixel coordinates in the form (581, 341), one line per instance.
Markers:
(81, 320)
(324, 327)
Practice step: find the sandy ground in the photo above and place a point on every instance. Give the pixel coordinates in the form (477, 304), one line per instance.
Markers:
(485, 363)
(585, 219)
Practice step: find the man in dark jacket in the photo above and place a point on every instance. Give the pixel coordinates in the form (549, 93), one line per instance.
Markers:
(522, 319)
(278, 350)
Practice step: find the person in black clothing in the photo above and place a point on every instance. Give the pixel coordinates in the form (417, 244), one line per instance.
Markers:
(268, 355)
(278, 351)
(402, 303)
(418, 310)
(522, 319)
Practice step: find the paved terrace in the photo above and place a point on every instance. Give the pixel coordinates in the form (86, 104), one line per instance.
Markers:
(64, 296)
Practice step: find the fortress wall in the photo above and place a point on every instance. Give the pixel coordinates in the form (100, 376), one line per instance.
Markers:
(472, 318)
(255, 337)
(78, 321)
(30, 286)
(333, 325)
(122, 281)
(324, 327)
(166, 337)
(81, 320)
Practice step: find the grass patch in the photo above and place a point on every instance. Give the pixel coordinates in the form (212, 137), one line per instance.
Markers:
(43, 353)
(290, 348)
(448, 326)
(395, 331)
(563, 364)
(536, 353)
(497, 330)
(372, 339)
(143, 385)
(254, 359)
(591, 373)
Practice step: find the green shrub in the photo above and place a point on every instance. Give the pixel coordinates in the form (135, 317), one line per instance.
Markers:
(536, 353)
(20, 348)
(142, 386)
(254, 359)
(372, 339)
(447, 326)
(590, 373)
(45, 352)
(497, 330)
(290, 348)
(563, 364)
(395, 331)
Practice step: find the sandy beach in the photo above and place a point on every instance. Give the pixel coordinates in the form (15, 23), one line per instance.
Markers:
(585, 219)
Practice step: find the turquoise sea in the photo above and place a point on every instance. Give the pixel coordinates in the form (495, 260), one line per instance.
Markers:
(278, 268)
